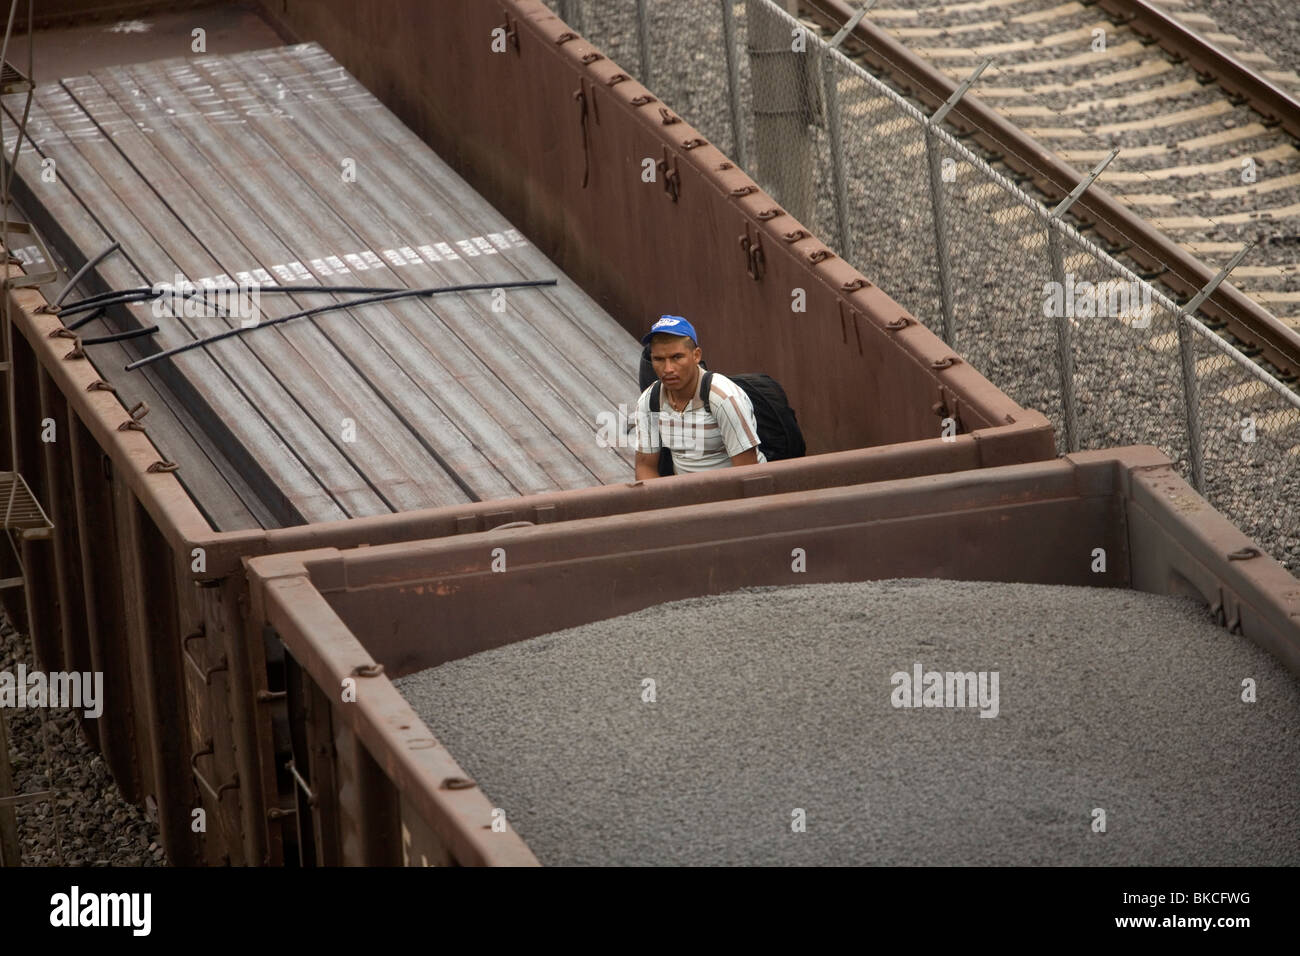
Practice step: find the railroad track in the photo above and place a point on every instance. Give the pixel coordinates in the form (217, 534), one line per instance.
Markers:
(1208, 155)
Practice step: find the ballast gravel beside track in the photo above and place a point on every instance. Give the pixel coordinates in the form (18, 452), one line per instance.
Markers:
(95, 825)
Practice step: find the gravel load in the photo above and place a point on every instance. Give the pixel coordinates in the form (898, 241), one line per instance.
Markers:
(88, 823)
(778, 732)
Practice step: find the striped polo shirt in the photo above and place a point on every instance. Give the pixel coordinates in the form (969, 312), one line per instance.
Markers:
(698, 439)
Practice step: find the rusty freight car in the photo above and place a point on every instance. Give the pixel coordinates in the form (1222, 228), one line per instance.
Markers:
(379, 784)
(162, 480)
(230, 555)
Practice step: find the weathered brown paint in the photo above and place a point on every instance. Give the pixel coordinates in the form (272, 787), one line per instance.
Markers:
(155, 650)
(42, 584)
(59, 499)
(103, 597)
(118, 583)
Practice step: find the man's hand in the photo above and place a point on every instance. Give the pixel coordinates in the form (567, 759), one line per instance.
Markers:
(647, 465)
(747, 457)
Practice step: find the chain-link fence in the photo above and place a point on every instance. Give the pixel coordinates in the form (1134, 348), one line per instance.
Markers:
(1045, 314)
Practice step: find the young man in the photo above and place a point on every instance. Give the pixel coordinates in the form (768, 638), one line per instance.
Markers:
(698, 438)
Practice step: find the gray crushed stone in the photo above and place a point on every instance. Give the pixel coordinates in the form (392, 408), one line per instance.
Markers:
(770, 700)
(1271, 27)
(88, 823)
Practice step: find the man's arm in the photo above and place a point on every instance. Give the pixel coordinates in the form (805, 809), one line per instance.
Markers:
(647, 465)
(749, 457)
(647, 439)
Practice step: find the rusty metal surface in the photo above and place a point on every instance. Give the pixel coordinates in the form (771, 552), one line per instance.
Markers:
(63, 549)
(176, 514)
(42, 580)
(92, 517)
(377, 732)
(101, 412)
(1003, 524)
(303, 74)
(60, 216)
(528, 367)
(343, 612)
(1119, 225)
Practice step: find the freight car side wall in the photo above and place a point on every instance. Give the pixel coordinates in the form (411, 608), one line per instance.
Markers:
(561, 141)
(116, 591)
(101, 596)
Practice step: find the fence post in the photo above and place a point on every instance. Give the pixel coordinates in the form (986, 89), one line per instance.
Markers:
(1064, 349)
(1187, 352)
(834, 132)
(571, 13)
(643, 43)
(784, 110)
(938, 215)
(738, 146)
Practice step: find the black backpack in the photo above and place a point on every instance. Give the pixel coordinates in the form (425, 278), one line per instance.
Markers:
(779, 435)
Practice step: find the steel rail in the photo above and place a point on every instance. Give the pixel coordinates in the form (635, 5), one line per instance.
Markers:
(1162, 257)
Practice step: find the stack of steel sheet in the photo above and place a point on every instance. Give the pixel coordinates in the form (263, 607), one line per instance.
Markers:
(275, 168)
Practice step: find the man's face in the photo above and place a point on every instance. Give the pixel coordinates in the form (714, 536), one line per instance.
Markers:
(675, 359)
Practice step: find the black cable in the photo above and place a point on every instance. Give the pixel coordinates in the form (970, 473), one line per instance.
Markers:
(332, 307)
(120, 336)
(98, 313)
(99, 297)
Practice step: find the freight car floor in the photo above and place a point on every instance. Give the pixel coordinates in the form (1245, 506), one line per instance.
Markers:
(73, 50)
(278, 167)
(819, 725)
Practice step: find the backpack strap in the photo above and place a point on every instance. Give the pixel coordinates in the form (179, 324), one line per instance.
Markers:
(654, 396)
(704, 391)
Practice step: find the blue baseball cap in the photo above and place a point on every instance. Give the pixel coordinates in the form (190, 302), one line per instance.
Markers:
(671, 325)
